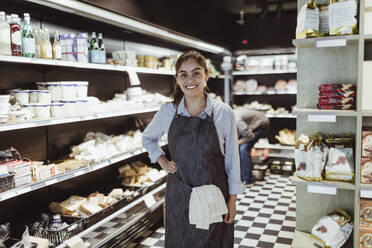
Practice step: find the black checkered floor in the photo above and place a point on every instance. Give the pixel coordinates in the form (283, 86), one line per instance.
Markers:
(266, 217)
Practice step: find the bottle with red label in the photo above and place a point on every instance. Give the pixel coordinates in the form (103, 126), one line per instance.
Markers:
(16, 35)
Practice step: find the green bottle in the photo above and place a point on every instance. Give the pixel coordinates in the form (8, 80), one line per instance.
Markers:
(28, 40)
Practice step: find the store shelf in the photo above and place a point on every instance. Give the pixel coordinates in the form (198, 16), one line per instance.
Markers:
(276, 147)
(368, 37)
(264, 72)
(69, 64)
(302, 240)
(56, 121)
(246, 93)
(325, 111)
(281, 116)
(340, 185)
(68, 175)
(123, 211)
(367, 113)
(218, 77)
(326, 41)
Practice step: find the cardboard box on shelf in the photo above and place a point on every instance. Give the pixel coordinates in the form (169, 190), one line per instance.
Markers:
(365, 214)
(365, 237)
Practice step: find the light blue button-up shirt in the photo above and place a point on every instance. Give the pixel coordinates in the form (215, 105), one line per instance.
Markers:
(224, 121)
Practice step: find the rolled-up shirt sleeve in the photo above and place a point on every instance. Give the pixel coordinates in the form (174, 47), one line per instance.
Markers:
(153, 132)
(232, 160)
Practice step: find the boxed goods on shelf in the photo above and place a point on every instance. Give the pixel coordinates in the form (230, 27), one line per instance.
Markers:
(337, 96)
(332, 230)
(366, 162)
(365, 237)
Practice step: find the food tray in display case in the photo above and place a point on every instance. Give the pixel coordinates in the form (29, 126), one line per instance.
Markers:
(7, 182)
(76, 225)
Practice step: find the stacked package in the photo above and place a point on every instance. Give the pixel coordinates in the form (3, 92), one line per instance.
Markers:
(138, 174)
(366, 169)
(337, 96)
(365, 223)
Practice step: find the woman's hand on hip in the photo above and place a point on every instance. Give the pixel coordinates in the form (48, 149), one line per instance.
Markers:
(231, 210)
(165, 164)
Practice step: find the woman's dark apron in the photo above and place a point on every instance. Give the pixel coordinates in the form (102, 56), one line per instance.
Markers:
(194, 147)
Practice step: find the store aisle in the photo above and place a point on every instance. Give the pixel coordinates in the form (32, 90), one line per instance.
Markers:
(266, 217)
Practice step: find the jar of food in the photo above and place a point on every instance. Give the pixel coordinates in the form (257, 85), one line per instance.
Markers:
(44, 96)
(33, 96)
(56, 90)
(68, 90)
(42, 110)
(21, 96)
(4, 99)
(69, 108)
(41, 85)
(82, 106)
(57, 109)
(4, 109)
(81, 89)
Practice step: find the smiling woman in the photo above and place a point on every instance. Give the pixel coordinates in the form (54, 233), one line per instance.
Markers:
(202, 140)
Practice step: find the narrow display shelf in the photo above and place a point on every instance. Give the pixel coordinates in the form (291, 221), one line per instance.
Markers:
(246, 93)
(368, 37)
(68, 175)
(331, 41)
(338, 184)
(325, 111)
(122, 212)
(56, 121)
(70, 64)
(263, 72)
(283, 116)
(276, 147)
(302, 240)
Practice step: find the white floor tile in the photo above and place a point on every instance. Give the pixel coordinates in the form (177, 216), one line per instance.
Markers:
(149, 241)
(239, 234)
(285, 234)
(249, 242)
(274, 227)
(268, 238)
(289, 223)
(256, 230)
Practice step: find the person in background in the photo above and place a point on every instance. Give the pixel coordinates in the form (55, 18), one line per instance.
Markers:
(203, 145)
(251, 125)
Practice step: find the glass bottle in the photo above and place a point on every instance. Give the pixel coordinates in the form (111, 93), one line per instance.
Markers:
(47, 45)
(93, 49)
(57, 53)
(28, 40)
(5, 41)
(102, 50)
(37, 43)
(16, 35)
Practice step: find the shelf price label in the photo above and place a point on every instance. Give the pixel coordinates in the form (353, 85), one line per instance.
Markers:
(331, 43)
(320, 188)
(149, 200)
(321, 117)
(366, 193)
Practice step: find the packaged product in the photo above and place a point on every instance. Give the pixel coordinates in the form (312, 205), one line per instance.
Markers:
(339, 93)
(308, 21)
(336, 101)
(332, 87)
(366, 171)
(336, 107)
(342, 17)
(365, 237)
(310, 157)
(333, 230)
(340, 165)
(365, 218)
(340, 140)
(367, 144)
(323, 19)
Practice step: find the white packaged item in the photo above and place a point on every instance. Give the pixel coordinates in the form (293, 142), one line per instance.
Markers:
(133, 92)
(82, 48)
(332, 231)
(56, 90)
(69, 108)
(82, 106)
(22, 96)
(131, 55)
(4, 109)
(308, 21)
(44, 96)
(20, 168)
(75, 242)
(81, 89)
(42, 110)
(68, 90)
(69, 47)
(340, 165)
(4, 118)
(23, 179)
(342, 17)
(33, 98)
(57, 109)
(251, 85)
(30, 108)
(323, 20)
(4, 99)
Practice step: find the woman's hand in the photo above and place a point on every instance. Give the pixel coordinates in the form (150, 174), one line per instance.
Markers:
(231, 208)
(165, 164)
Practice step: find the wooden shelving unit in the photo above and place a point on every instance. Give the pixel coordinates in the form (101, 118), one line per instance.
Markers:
(325, 60)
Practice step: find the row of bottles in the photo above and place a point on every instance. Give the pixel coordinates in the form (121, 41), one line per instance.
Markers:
(24, 41)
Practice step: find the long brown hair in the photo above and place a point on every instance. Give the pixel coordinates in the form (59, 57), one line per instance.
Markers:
(200, 59)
